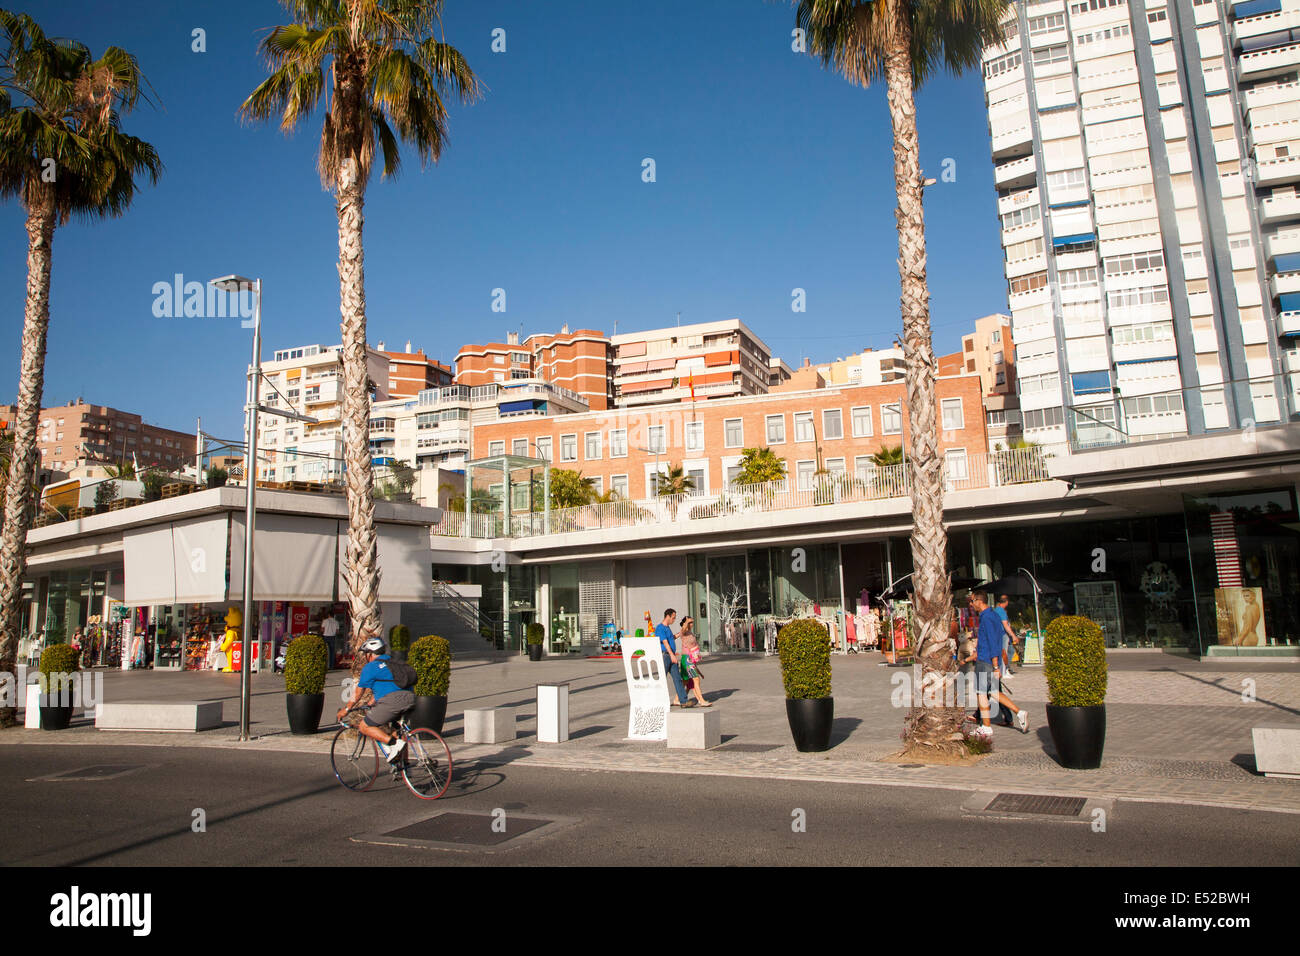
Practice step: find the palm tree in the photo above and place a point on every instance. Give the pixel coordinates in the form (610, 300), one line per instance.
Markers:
(759, 465)
(905, 42)
(888, 455)
(388, 70)
(62, 154)
(674, 481)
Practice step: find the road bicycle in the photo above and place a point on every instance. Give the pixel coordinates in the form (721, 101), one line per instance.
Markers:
(425, 764)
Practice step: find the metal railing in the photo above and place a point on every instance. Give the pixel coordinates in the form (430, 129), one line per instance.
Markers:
(468, 613)
(993, 470)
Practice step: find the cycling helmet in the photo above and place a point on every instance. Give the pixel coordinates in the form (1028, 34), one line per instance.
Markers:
(375, 646)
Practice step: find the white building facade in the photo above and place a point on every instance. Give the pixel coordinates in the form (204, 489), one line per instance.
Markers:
(1146, 159)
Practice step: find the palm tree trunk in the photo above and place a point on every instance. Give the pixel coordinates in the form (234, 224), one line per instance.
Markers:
(927, 726)
(22, 466)
(361, 567)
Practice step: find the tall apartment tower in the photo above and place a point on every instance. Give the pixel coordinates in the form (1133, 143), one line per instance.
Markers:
(1146, 158)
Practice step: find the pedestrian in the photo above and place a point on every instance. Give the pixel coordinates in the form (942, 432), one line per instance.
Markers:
(690, 663)
(1009, 636)
(672, 660)
(988, 658)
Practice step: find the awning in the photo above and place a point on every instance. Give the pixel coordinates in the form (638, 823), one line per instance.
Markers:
(522, 406)
(405, 562)
(1072, 240)
(294, 558)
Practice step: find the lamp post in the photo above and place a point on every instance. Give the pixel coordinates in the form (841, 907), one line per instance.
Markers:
(1037, 624)
(237, 284)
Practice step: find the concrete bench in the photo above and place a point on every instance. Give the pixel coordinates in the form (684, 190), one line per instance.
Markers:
(1277, 750)
(181, 717)
(489, 725)
(694, 729)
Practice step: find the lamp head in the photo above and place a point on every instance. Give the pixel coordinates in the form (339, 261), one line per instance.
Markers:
(233, 283)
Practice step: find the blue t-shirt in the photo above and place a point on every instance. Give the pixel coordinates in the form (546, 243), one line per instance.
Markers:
(988, 640)
(1001, 612)
(378, 678)
(665, 633)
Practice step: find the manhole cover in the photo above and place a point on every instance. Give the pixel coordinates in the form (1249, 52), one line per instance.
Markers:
(1037, 803)
(469, 829)
(750, 748)
(103, 771)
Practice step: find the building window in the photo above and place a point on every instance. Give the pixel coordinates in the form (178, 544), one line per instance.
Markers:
(1036, 418)
(495, 448)
(955, 461)
(862, 466)
(861, 421)
(835, 466)
(593, 446)
(832, 423)
(618, 443)
(803, 427)
(953, 420)
(695, 436)
(804, 471)
(618, 485)
(776, 429)
(569, 447)
(543, 446)
(519, 447)
(733, 431)
(655, 439)
(891, 419)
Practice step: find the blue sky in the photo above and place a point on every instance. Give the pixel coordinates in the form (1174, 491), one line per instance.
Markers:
(771, 174)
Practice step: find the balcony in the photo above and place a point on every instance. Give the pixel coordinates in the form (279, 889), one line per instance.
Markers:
(1272, 95)
(1282, 243)
(1012, 142)
(1023, 466)
(1271, 172)
(1281, 205)
(1284, 283)
(1260, 64)
(1250, 28)
(1017, 173)
(1288, 323)
(326, 393)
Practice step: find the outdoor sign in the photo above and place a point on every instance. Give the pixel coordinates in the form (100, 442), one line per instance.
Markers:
(1033, 651)
(647, 689)
(299, 624)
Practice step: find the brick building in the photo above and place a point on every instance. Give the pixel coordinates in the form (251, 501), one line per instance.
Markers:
(836, 428)
(80, 433)
(410, 373)
(579, 361)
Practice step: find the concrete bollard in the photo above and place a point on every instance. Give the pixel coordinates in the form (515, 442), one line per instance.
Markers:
(694, 729)
(490, 725)
(552, 713)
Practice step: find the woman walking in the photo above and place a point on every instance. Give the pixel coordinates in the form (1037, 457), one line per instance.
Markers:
(690, 663)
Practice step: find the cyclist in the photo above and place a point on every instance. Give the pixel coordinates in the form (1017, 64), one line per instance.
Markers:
(391, 701)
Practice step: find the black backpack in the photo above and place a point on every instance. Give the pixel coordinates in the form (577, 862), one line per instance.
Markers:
(403, 674)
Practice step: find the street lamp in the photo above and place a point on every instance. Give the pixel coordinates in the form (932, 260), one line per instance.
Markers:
(237, 284)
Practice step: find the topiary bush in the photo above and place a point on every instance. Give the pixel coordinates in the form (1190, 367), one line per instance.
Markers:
(485, 632)
(1074, 662)
(399, 640)
(536, 633)
(431, 658)
(305, 661)
(58, 661)
(805, 649)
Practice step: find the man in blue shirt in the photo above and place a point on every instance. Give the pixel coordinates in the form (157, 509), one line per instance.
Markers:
(391, 701)
(988, 659)
(672, 660)
(1009, 638)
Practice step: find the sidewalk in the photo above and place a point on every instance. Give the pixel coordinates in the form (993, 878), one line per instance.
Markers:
(1177, 730)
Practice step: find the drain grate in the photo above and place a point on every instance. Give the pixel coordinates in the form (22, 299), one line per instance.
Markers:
(1037, 803)
(467, 829)
(102, 771)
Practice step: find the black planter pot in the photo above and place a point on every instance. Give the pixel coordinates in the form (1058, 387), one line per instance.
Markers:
(304, 712)
(429, 712)
(810, 723)
(55, 718)
(534, 652)
(1079, 734)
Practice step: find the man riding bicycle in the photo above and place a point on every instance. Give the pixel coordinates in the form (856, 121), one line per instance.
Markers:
(391, 701)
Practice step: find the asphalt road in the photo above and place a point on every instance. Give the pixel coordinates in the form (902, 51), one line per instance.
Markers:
(286, 809)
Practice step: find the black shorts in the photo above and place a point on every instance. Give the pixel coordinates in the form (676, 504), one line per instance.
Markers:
(388, 708)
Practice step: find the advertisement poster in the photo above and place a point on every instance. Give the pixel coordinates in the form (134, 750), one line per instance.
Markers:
(1239, 613)
(298, 620)
(647, 689)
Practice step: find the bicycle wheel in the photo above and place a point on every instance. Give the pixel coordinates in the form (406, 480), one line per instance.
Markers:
(355, 759)
(427, 770)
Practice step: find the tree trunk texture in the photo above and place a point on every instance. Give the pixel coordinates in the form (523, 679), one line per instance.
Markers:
(926, 726)
(361, 568)
(22, 466)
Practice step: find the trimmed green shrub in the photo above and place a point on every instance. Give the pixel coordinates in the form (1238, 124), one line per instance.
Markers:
(536, 633)
(1074, 662)
(305, 662)
(59, 661)
(805, 649)
(399, 639)
(431, 658)
(485, 632)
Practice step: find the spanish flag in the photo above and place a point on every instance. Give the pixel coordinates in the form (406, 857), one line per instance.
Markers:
(690, 380)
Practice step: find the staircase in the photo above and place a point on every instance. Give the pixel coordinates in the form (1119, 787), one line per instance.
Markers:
(441, 619)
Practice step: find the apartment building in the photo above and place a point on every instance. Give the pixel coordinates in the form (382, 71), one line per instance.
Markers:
(989, 352)
(1146, 154)
(81, 434)
(579, 362)
(869, 367)
(412, 372)
(308, 379)
(834, 429)
(712, 360)
(433, 430)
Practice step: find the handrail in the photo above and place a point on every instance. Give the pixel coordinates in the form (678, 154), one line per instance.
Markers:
(470, 614)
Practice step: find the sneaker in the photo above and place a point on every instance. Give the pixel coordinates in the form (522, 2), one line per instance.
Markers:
(1022, 721)
(393, 751)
